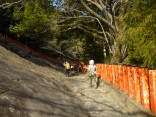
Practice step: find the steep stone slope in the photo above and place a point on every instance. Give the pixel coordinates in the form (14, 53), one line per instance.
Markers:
(31, 86)
(27, 89)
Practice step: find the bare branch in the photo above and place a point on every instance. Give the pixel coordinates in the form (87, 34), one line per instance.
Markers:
(98, 16)
(102, 4)
(8, 5)
(71, 28)
(91, 29)
(82, 27)
(96, 4)
(114, 7)
(100, 37)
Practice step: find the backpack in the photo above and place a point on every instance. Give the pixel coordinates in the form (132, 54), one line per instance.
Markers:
(92, 69)
(67, 66)
(90, 74)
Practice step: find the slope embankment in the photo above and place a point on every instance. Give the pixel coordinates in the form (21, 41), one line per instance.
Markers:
(31, 86)
(28, 89)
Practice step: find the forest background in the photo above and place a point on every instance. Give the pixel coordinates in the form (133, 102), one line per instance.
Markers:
(108, 31)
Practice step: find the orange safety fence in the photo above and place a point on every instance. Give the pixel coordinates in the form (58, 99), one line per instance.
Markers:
(117, 76)
(113, 74)
(130, 81)
(139, 83)
(137, 95)
(31, 50)
(107, 73)
(102, 71)
(110, 74)
(144, 87)
(125, 81)
(85, 68)
(120, 77)
(152, 82)
(98, 72)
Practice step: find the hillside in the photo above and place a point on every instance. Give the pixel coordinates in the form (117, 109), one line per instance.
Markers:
(28, 89)
(31, 86)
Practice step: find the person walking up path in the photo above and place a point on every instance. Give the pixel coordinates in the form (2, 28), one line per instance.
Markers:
(67, 68)
(106, 101)
(92, 73)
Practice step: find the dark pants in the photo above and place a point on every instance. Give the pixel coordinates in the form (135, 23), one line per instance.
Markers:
(96, 80)
(67, 72)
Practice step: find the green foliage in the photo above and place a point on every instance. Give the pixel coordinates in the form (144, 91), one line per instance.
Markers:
(92, 49)
(80, 45)
(139, 32)
(33, 21)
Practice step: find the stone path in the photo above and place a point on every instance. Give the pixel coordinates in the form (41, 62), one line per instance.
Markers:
(28, 89)
(106, 101)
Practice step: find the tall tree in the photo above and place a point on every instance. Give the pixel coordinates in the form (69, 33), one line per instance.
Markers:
(34, 21)
(6, 11)
(138, 32)
(104, 13)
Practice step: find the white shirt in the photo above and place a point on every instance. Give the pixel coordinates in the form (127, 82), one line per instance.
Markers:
(92, 68)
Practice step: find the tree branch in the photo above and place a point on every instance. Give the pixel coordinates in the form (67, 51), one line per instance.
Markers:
(103, 31)
(96, 4)
(8, 5)
(98, 16)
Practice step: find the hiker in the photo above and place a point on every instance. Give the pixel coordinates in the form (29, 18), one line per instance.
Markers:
(92, 73)
(80, 66)
(67, 68)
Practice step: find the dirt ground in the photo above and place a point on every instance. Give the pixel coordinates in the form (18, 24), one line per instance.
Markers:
(33, 87)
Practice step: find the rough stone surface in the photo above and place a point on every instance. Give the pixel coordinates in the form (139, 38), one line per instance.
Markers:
(34, 87)
(106, 101)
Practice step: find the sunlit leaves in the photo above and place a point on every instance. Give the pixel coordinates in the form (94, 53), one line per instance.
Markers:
(32, 19)
(140, 33)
